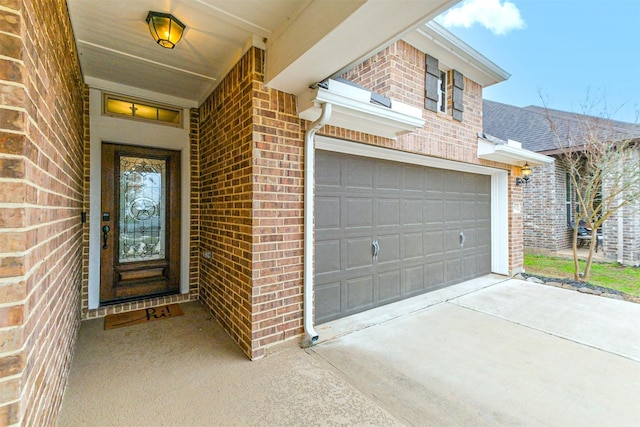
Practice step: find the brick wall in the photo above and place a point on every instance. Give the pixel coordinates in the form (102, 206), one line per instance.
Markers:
(41, 197)
(629, 217)
(545, 214)
(226, 201)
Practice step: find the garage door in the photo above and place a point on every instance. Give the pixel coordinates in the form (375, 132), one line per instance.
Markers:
(385, 231)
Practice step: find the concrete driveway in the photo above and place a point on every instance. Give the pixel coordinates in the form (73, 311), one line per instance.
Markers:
(513, 353)
(483, 353)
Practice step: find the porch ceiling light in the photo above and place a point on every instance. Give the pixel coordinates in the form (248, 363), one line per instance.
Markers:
(165, 29)
(526, 175)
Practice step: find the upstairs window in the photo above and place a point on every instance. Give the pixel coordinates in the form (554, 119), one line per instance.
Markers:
(437, 83)
(135, 109)
(442, 92)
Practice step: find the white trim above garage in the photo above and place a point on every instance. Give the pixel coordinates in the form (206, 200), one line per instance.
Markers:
(499, 187)
(352, 109)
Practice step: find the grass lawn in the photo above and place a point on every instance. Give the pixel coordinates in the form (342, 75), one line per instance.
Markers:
(607, 275)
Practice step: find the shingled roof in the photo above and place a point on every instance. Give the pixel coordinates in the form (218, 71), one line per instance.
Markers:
(531, 126)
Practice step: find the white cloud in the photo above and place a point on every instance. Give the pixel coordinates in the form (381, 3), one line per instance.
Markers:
(499, 18)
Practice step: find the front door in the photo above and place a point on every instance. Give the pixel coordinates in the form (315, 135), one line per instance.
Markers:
(140, 223)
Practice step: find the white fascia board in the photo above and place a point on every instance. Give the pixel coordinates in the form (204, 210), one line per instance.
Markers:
(452, 52)
(509, 154)
(354, 114)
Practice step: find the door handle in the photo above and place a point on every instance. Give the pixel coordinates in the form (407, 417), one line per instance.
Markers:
(462, 238)
(376, 249)
(105, 231)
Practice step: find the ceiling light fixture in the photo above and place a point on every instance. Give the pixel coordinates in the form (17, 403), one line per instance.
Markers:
(165, 29)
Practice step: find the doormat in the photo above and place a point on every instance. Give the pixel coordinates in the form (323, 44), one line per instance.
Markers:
(121, 320)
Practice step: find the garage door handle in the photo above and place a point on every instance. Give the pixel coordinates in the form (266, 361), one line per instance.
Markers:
(376, 249)
(462, 238)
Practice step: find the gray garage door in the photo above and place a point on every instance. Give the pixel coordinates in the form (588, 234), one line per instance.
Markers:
(387, 231)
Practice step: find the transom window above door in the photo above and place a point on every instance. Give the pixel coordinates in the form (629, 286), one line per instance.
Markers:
(135, 109)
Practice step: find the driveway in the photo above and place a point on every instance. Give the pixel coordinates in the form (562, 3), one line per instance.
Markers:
(487, 352)
(513, 353)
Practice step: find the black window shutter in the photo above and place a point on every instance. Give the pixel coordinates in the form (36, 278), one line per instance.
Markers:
(431, 84)
(458, 90)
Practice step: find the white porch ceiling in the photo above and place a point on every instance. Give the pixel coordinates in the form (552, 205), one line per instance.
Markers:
(306, 40)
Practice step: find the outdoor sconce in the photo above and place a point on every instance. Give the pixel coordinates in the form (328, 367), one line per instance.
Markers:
(526, 175)
(165, 29)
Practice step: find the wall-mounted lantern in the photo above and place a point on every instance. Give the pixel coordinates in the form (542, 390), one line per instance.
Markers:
(526, 175)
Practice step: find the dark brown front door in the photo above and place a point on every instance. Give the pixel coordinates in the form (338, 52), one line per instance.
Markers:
(140, 223)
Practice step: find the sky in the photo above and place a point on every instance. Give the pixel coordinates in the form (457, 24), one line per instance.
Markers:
(581, 56)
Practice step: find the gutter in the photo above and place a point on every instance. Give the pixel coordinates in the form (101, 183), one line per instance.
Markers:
(309, 184)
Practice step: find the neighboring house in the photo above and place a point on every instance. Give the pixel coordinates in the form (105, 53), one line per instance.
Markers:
(549, 200)
(207, 193)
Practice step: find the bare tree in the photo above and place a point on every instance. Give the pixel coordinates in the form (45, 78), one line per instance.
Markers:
(601, 157)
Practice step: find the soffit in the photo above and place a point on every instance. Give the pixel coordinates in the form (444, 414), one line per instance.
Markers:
(305, 40)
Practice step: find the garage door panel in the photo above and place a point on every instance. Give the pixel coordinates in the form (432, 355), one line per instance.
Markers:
(359, 294)
(413, 178)
(388, 212)
(452, 240)
(413, 280)
(328, 256)
(389, 177)
(452, 210)
(453, 183)
(416, 215)
(469, 183)
(327, 213)
(412, 210)
(452, 270)
(484, 262)
(389, 249)
(469, 210)
(327, 301)
(359, 212)
(434, 181)
(434, 242)
(434, 211)
(359, 174)
(470, 239)
(469, 265)
(358, 253)
(328, 170)
(389, 286)
(483, 208)
(413, 245)
(434, 274)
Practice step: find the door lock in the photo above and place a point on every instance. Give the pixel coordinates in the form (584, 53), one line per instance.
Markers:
(105, 232)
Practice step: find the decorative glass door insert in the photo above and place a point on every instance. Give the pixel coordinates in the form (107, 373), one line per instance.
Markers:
(142, 208)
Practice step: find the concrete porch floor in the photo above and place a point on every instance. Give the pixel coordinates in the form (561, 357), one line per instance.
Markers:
(486, 352)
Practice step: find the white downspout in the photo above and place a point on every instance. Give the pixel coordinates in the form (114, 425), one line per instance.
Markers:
(309, 183)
